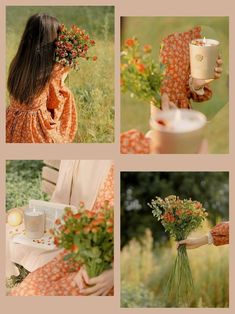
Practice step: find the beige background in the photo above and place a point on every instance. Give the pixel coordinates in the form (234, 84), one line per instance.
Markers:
(105, 151)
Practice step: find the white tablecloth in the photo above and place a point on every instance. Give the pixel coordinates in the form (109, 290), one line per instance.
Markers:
(30, 258)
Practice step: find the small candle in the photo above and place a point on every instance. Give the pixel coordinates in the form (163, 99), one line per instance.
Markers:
(203, 56)
(34, 223)
(178, 122)
(178, 131)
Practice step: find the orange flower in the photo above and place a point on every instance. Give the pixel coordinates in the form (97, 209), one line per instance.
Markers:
(100, 216)
(77, 216)
(178, 212)
(147, 48)
(110, 229)
(98, 222)
(140, 67)
(89, 213)
(56, 241)
(74, 248)
(130, 42)
(57, 221)
(95, 58)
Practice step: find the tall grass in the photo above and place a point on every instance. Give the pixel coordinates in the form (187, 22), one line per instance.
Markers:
(145, 270)
(93, 84)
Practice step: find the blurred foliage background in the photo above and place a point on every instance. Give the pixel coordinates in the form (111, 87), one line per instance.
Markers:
(23, 182)
(152, 30)
(93, 84)
(148, 253)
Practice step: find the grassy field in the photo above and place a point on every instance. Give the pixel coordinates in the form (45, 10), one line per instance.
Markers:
(152, 30)
(145, 268)
(93, 84)
(23, 182)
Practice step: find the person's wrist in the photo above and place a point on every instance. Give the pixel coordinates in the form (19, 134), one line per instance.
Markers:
(195, 87)
(203, 240)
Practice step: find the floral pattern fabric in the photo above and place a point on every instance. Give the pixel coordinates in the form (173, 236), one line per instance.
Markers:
(220, 234)
(174, 55)
(56, 278)
(50, 118)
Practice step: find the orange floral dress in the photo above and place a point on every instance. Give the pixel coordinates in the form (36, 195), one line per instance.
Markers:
(50, 118)
(55, 278)
(220, 234)
(174, 55)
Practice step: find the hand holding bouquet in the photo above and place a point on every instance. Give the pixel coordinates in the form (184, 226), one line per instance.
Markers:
(88, 238)
(71, 45)
(179, 218)
(140, 73)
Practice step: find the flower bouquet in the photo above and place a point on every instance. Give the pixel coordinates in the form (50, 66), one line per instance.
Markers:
(87, 236)
(140, 73)
(71, 45)
(179, 218)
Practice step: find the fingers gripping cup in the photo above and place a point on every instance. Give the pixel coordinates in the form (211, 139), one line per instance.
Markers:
(203, 56)
(34, 221)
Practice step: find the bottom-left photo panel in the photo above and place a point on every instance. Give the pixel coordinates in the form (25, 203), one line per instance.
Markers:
(59, 228)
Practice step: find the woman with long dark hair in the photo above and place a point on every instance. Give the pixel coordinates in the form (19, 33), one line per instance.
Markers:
(42, 109)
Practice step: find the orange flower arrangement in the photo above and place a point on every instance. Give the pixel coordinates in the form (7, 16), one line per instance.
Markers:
(88, 238)
(141, 75)
(179, 218)
(71, 45)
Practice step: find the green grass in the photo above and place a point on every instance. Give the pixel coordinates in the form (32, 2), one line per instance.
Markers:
(93, 84)
(152, 30)
(23, 182)
(145, 270)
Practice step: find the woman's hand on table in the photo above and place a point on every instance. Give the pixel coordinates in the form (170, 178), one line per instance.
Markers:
(98, 286)
(198, 84)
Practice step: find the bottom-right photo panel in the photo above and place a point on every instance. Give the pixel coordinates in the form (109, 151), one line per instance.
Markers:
(175, 239)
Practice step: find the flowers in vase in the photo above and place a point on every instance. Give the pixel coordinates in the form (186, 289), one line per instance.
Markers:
(71, 45)
(141, 75)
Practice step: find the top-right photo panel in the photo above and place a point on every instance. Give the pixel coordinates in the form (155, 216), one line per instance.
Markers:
(174, 85)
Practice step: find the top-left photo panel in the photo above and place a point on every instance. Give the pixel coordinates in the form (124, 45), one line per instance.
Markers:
(60, 74)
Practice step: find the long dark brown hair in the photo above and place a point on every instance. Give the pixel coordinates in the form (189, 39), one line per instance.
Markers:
(31, 68)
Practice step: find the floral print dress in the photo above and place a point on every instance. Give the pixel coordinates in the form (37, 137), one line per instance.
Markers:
(174, 55)
(50, 118)
(55, 278)
(220, 234)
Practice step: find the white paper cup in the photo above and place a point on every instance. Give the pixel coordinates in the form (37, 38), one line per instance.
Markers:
(181, 141)
(34, 221)
(203, 59)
